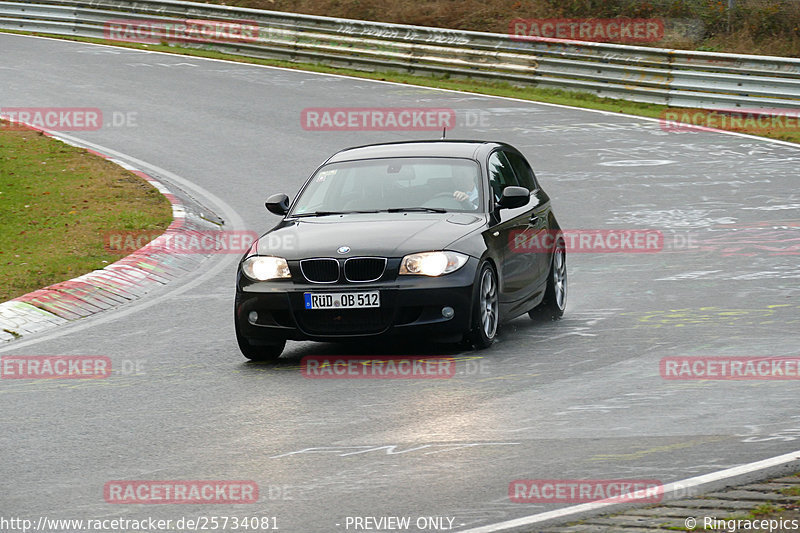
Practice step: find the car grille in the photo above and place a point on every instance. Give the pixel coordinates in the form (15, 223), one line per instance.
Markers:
(364, 268)
(320, 270)
(356, 269)
(342, 321)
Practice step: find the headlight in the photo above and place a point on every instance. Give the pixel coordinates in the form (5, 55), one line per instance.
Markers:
(263, 268)
(432, 263)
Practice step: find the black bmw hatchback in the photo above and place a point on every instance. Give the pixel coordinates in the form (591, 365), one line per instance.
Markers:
(443, 239)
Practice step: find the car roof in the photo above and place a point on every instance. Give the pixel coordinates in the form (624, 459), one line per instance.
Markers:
(438, 148)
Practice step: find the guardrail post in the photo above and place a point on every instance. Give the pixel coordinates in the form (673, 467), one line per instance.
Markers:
(731, 5)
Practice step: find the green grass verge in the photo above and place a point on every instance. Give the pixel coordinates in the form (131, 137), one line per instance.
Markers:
(56, 204)
(766, 509)
(791, 491)
(554, 96)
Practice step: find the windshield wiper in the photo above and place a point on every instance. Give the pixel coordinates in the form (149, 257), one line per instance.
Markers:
(417, 209)
(328, 213)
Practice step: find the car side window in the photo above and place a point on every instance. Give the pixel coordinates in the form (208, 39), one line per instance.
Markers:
(523, 171)
(501, 174)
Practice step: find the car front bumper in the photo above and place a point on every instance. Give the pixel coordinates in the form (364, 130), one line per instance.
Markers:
(409, 305)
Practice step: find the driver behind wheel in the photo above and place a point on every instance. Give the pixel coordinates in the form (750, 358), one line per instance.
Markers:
(466, 185)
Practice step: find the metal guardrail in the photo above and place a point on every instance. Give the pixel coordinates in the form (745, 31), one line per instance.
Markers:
(643, 74)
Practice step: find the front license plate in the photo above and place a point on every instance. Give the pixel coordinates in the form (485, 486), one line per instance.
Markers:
(342, 300)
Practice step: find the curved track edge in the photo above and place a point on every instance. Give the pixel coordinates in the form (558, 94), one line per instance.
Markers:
(123, 281)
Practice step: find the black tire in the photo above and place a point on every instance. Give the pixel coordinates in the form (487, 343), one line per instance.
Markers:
(485, 309)
(268, 353)
(555, 296)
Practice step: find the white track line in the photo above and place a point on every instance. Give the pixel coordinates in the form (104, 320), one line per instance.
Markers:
(678, 489)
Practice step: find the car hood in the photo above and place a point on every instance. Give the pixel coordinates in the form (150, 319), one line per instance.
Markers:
(380, 234)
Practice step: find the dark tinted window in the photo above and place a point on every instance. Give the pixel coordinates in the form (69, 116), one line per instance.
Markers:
(523, 171)
(501, 175)
(392, 183)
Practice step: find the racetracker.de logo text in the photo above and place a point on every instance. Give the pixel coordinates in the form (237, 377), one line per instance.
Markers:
(731, 368)
(181, 491)
(189, 242)
(55, 366)
(52, 118)
(154, 31)
(584, 490)
(621, 30)
(377, 119)
(377, 367)
(533, 241)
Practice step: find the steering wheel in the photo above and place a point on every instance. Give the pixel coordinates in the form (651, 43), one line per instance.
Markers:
(454, 203)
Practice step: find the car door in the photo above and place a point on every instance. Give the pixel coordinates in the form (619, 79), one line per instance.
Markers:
(538, 219)
(517, 270)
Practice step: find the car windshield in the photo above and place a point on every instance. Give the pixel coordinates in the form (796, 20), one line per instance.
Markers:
(392, 184)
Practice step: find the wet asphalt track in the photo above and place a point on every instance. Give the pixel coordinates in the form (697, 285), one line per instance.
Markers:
(578, 399)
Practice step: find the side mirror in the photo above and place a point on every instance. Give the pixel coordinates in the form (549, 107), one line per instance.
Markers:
(278, 204)
(514, 197)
